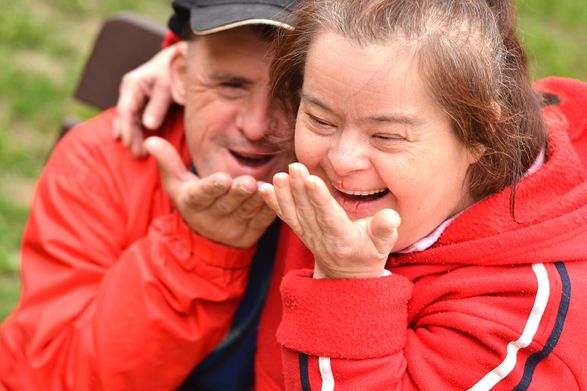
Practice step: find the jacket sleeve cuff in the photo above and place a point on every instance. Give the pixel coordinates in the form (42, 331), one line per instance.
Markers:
(190, 248)
(344, 318)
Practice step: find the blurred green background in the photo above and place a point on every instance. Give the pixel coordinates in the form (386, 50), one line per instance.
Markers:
(43, 47)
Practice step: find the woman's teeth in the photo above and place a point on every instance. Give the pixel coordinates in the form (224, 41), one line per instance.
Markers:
(363, 195)
(362, 192)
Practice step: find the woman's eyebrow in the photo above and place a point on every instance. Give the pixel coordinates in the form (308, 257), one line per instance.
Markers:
(307, 97)
(401, 117)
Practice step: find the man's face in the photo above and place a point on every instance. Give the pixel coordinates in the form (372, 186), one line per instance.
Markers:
(228, 112)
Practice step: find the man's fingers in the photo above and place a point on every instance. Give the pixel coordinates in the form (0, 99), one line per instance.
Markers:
(383, 230)
(116, 128)
(171, 168)
(250, 207)
(206, 191)
(131, 101)
(263, 219)
(241, 189)
(137, 148)
(158, 104)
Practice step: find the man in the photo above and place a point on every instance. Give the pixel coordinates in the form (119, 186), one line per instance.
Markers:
(136, 277)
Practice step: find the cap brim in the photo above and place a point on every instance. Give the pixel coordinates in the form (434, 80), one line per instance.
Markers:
(208, 20)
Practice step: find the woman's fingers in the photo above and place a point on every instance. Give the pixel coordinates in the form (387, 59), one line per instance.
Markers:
(382, 229)
(287, 204)
(267, 192)
(329, 215)
(304, 202)
(305, 210)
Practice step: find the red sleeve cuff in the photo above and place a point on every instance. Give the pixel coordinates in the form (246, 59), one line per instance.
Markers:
(344, 318)
(190, 248)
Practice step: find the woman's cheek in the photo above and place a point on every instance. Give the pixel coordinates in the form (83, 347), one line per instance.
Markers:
(308, 147)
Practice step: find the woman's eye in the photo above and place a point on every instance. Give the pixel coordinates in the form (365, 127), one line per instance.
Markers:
(389, 137)
(318, 121)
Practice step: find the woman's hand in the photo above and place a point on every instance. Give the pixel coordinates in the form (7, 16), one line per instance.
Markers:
(342, 248)
(144, 99)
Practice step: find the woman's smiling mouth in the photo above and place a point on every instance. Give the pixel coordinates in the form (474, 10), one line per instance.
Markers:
(361, 195)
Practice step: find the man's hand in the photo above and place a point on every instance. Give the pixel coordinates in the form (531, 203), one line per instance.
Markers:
(144, 98)
(225, 210)
(342, 248)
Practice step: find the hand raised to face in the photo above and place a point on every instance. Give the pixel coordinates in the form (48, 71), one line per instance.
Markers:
(342, 248)
(144, 99)
(222, 209)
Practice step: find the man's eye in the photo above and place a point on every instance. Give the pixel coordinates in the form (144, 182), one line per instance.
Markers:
(231, 85)
(232, 90)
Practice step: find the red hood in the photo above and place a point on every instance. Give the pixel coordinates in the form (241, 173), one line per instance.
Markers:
(551, 203)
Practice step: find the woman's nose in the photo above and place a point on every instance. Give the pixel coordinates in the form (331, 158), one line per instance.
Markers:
(348, 154)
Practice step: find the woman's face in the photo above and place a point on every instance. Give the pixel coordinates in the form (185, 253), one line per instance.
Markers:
(369, 128)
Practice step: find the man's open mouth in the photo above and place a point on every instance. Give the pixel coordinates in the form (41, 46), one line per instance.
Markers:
(252, 159)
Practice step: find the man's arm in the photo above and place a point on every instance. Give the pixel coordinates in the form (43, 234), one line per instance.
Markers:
(144, 99)
(115, 295)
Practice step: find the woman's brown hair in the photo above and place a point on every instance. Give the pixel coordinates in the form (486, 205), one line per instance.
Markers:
(471, 58)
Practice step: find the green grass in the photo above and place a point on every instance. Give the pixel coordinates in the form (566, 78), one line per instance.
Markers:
(41, 54)
(43, 51)
(555, 36)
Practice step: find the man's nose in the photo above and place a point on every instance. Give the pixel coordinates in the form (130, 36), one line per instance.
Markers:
(348, 154)
(256, 117)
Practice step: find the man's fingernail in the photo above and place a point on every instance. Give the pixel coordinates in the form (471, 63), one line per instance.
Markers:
(149, 122)
(243, 189)
(220, 186)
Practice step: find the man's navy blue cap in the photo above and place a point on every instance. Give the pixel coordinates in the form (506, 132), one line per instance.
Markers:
(211, 16)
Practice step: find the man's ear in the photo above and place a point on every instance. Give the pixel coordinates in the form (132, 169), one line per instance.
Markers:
(178, 73)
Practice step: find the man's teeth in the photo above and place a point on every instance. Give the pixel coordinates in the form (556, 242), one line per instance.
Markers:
(363, 192)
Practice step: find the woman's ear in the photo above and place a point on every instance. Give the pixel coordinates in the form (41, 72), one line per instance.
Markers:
(178, 68)
(476, 152)
(496, 110)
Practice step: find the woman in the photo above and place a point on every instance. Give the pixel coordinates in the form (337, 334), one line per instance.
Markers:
(421, 112)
